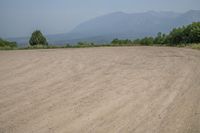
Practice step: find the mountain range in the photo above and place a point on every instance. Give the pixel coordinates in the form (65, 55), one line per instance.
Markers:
(121, 25)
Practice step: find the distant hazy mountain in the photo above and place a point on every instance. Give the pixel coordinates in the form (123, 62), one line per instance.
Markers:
(123, 25)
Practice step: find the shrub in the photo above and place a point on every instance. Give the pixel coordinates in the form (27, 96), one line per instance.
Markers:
(4, 44)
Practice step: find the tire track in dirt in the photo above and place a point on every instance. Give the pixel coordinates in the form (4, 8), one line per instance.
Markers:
(124, 89)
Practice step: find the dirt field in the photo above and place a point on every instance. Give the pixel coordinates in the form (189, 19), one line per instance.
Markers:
(100, 90)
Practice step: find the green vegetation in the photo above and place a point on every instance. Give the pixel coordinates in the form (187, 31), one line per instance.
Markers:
(4, 44)
(117, 42)
(185, 36)
(37, 38)
(84, 44)
(195, 46)
(45, 47)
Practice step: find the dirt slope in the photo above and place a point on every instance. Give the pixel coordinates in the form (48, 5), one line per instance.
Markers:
(100, 90)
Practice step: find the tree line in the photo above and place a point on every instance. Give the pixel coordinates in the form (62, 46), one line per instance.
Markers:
(183, 35)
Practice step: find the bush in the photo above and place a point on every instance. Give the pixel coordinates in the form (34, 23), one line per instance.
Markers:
(117, 42)
(4, 44)
(195, 46)
(147, 41)
(84, 44)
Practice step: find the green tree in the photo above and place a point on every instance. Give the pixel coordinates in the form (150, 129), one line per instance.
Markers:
(37, 38)
(176, 36)
(192, 33)
(121, 42)
(182, 35)
(185, 35)
(137, 41)
(147, 41)
(160, 39)
(115, 41)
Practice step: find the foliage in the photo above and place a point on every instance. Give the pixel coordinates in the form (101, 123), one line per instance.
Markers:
(4, 44)
(84, 44)
(37, 38)
(160, 39)
(147, 41)
(178, 36)
(120, 42)
(192, 33)
(195, 46)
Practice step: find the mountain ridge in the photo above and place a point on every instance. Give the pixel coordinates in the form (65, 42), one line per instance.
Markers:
(122, 25)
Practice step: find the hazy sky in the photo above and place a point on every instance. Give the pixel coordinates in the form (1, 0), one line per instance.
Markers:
(20, 17)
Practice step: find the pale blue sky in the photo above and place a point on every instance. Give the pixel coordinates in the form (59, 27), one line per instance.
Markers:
(20, 17)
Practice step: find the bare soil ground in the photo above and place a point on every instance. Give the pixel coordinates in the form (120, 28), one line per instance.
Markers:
(100, 90)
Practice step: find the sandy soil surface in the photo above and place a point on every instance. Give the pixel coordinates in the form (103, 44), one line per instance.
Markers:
(100, 90)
